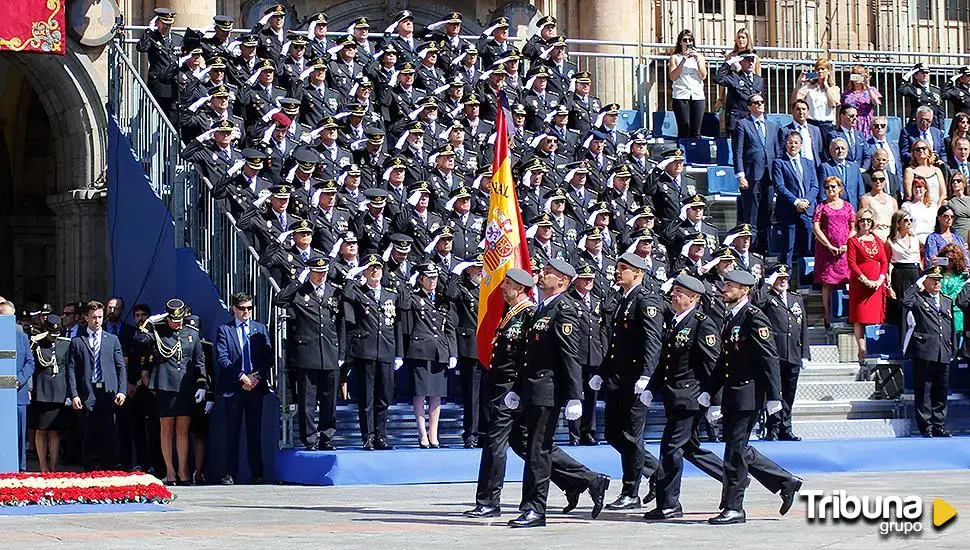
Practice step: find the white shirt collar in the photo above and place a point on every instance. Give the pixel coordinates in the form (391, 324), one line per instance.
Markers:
(680, 316)
(739, 306)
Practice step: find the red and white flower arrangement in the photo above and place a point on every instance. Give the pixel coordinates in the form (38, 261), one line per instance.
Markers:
(50, 489)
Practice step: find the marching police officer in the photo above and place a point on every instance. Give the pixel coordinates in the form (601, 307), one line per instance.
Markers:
(463, 290)
(786, 315)
(931, 344)
(317, 350)
(591, 311)
(747, 370)
(691, 345)
(163, 48)
(632, 356)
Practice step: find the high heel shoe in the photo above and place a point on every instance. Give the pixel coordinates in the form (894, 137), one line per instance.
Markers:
(435, 445)
(424, 445)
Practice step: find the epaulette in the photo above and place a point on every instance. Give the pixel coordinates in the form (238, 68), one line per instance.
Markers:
(753, 310)
(573, 131)
(192, 327)
(622, 133)
(756, 255)
(565, 304)
(65, 338)
(699, 315)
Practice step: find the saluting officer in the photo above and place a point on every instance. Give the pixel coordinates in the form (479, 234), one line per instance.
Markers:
(786, 314)
(316, 352)
(163, 48)
(918, 91)
(632, 356)
(376, 346)
(593, 337)
(463, 290)
(931, 344)
(691, 345)
(957, 91)
(747, 370)
(46, 413)
(286, 262)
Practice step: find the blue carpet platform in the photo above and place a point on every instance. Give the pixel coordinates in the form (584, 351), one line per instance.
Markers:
(412, 465)
(37, 510)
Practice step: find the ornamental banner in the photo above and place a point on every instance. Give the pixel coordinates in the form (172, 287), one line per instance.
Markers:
(33, 26)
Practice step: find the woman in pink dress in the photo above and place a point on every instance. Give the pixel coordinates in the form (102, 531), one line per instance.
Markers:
(864, 97)
(868, 280)
(833, 224)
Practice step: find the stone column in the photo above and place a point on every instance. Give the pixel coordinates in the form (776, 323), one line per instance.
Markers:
(81, 230)
(191, 13)
(614, 78)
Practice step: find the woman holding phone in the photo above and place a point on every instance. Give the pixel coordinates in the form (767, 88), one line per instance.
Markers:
(817, 87)
(864, 97)
(687, 71)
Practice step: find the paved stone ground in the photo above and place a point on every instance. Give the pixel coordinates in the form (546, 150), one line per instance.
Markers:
(429, 516)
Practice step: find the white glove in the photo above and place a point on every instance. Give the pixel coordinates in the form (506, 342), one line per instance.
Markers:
(641, 385)
(704, 399)
(596, 382)
(773, 406)
(205, 136)
(199, 396)
(283, 236)
(158, 317)
(574, 409)
(209, 406)
(511, 400)
(303, 275)
(235, 134)
(340, 363)
(713, 414)
(398, 363)
(235, 168)
(262, 198)
(452, 362)
(646, 397)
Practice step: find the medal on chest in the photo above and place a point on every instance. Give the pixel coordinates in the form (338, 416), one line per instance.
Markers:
(683, 337)
(389, 312)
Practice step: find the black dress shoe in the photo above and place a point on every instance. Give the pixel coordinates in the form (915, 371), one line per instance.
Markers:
(597, 492)
(257, 480)
(588, 440)
(482, 511)
(528, 518)
(660, 515)
(573, 442)
(788, 437)
(624, 502)
(940, 432)
(435, 445)
(228, 480)
(369, 443)
(470, 443)
(381, 444)
(770, 436)
(728, 517)
(651, 491)
(791, 487)
(926, 434)
(572, 499)
(328, 446)
(424, 446)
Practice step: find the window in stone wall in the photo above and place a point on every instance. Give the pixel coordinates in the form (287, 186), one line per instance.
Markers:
(751, 7)
(924, 9)
(709, 6)
(957, 10)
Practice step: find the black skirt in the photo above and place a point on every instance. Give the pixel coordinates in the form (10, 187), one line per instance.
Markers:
(428, 378)
(46, 416)
(174, 403)
(904, 276)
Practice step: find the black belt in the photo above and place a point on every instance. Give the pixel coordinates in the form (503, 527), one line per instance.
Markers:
(905, 265)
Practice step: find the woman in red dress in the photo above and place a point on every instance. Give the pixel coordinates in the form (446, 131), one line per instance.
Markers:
(868, 273)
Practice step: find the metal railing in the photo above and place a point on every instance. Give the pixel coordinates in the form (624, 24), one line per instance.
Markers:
(201, 222)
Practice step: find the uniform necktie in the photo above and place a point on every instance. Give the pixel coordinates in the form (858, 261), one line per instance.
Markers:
(319, 291)
(247, 366)
(431, 298)
(761, 131)
(306, 255)
(282, 219)
(96, 356)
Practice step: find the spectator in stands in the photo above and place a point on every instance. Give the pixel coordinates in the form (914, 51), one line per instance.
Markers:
(893, 184)
(812, 146)
(737, 75)
(954, 279)
(904, 262)
(833, 224)
(742, 42)
(687, 69)
(921, 209)
(922, 162)
(931, 346)
(817, 87)
(847, 172)
(942, 235)
(868, 273)
(879, 140)
(922, 129)
(755, 148)
(959, 158)
(959, 201)
(796, 189)
(862, 95)
(959, 128)
(881, 203)
(846, 129)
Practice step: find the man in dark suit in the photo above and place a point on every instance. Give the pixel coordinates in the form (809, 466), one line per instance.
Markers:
(960, 159)
(812, 147)
(931, 342)
(244, 356)
(847, 131)
(796, 191)
(879, 140)
(96, 382)
(737, 75)
(922, 129)
(747, 371)
(113, 324)
(756, 145)
(847, 172)
(788, 319)
(691, 345)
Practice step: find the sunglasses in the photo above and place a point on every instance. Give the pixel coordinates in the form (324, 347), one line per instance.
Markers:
(906, 220)
(867, 220)
(244, 308)
(757, 102)
(878, 179)
(878, 125)
(923, 149)
(688, 40)
(827, 187)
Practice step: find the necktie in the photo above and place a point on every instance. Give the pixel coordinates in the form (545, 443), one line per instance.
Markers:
(841, 171)
(319, 291)
(283, 220)
(306, 255)
(850, 138)
(965, 170)
(96, 357)
(761, 131)
(798, 172)
(431, 298)
(247, 361)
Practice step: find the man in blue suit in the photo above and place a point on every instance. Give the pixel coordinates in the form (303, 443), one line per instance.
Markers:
(847, 131)
(96, 383)
(812, 146)
(25, 370)
(847, 172)
(796, 189)
(755, 148)
(921, 129)
(245, 356)
(879, 140)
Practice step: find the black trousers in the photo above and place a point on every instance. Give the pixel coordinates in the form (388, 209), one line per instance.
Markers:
(475, 404)
(375, 392)
(689, 114)
(931, 382)
(586, 425)
(545, 462)
(124, 427)
(780, 422)
(680, 441)
(145, 429)
(248, 404)
(741, 458)
(624, 419)
(97, 425)
(316, 388)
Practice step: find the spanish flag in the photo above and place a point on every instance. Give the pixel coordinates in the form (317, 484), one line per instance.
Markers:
(505, 243)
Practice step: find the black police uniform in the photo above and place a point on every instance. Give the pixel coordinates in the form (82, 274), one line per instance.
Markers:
(286, 263)
(46, 410)
(163, 63)
(958, 95)
(932, 346)
(593, 339)
(582, 113)
(787, 317)
(178, 366)
(428, 326)
(918, 95)
(464, 295)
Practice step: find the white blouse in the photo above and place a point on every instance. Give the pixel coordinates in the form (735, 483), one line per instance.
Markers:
(905, 250)
(818, 106)
(689, 84)
(924, 219)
